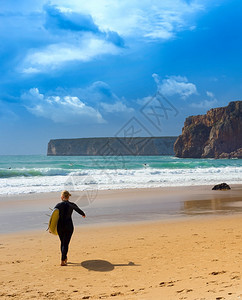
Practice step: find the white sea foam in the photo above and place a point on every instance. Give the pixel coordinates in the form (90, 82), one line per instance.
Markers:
(97, 179)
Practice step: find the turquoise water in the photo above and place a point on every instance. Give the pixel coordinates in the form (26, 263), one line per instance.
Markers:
(39, 173)
(41, 165)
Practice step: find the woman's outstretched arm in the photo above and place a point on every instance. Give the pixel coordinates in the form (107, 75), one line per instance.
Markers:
(78, 210)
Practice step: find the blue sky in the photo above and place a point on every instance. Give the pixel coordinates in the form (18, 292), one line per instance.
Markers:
(98, 68)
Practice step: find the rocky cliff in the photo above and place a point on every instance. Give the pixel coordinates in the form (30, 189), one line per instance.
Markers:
(218, 134)
(112, 146)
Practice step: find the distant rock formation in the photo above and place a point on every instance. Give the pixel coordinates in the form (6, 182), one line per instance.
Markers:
(113, 146)
(218, 134)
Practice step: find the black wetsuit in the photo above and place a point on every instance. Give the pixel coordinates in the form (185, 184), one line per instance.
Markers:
(65, 226)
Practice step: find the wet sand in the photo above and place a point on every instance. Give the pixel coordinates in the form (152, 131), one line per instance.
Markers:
(28, 212)
(189, 247)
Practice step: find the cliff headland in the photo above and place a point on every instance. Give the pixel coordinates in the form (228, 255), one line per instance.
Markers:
(218, 134)
(112, 146)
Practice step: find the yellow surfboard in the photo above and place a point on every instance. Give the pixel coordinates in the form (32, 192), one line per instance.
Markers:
(54, 221)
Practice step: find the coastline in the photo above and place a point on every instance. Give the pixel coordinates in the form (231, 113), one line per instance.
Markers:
(30, 211)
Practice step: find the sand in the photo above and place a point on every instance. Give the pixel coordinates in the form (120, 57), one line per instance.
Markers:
(189, 258)
(24, 212)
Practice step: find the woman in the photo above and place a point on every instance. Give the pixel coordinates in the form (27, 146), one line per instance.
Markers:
(65, 226)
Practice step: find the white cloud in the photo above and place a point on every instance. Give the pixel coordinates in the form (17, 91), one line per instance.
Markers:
(55, 55)
(210, 94)
(149, 19)
(100, 94)
(142, 101)
(116, 107)
(31, 70)
(206, 104)
(175, 85)
(60, 109)
(97, 92)
(82, 105)
(105, 23)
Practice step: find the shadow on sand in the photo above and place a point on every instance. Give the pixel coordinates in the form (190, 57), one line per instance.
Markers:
(100, 265)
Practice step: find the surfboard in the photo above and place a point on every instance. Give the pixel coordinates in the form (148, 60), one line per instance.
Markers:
(54, 221)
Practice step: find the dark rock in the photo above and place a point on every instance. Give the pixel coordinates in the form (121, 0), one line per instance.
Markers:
(218, 134)
(221, 186)
(235, 154)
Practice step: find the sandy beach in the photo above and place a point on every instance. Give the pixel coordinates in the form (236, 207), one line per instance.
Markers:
(196, 256)
(118, 118)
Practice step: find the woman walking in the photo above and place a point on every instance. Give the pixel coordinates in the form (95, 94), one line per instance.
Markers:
(65, 225)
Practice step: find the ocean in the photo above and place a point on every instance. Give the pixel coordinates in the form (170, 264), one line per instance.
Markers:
(40, 173)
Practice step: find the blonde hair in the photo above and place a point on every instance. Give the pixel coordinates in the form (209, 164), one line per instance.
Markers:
(65, 194)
